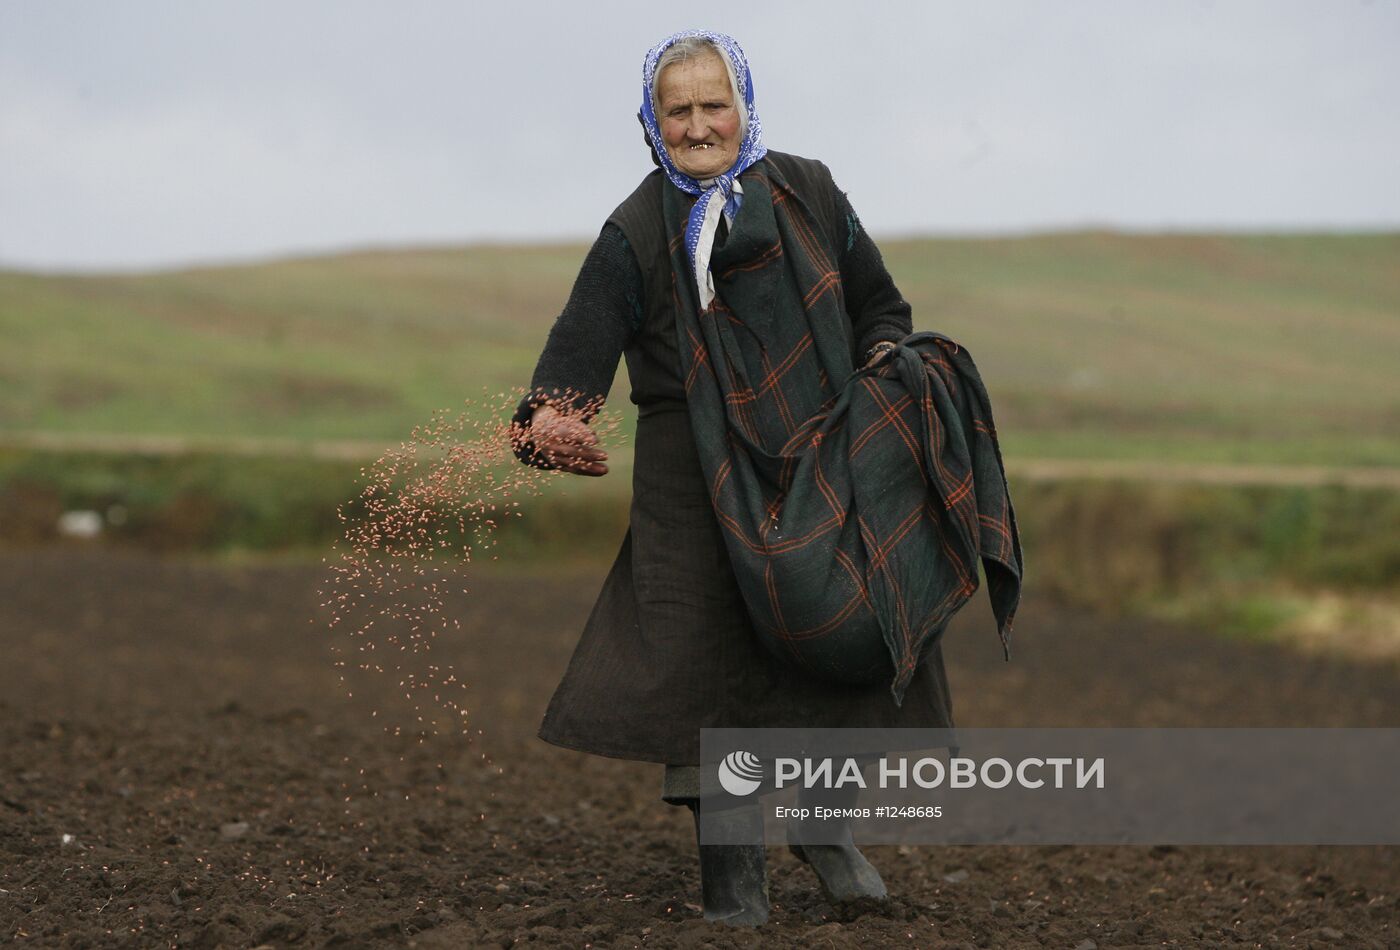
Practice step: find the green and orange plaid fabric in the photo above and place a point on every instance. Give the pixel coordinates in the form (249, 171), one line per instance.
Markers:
(855, 504)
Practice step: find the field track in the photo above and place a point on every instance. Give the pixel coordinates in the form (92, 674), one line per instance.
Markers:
(1030, 469)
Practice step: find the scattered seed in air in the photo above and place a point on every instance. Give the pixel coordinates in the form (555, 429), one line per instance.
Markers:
(427, 513)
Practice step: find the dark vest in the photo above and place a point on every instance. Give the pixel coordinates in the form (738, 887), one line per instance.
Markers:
(653, 360)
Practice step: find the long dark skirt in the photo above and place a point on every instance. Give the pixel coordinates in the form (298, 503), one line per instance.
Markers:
(669, 649)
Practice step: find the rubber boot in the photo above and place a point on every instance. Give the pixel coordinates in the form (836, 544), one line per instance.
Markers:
(844, 873)
(734, 877)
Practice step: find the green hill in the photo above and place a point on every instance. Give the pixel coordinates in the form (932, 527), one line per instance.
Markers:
(1094, 345)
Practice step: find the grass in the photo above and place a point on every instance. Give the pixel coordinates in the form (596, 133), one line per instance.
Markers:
(1317, 565)
(1111, 544)
(1266, 349)
(235, 505)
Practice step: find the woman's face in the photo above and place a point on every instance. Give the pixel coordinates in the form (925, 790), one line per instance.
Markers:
(699, 117)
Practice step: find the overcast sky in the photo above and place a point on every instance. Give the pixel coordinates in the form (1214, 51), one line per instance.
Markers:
(142, 134)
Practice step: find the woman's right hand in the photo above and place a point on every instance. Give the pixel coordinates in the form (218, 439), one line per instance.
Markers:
(567, 442)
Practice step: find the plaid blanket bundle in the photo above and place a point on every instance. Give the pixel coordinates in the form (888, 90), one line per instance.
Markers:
(855, 504)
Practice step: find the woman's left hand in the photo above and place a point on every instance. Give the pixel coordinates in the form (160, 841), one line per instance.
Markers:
(877, 353)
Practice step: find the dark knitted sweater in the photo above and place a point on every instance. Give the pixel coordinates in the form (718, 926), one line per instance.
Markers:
(604, 312)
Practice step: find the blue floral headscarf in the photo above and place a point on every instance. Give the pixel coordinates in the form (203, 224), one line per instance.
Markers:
(722, 193)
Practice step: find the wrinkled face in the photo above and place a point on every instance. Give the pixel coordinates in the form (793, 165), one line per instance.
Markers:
(698, 116)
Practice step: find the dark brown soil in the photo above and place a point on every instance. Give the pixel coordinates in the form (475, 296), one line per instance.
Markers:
(185, 726)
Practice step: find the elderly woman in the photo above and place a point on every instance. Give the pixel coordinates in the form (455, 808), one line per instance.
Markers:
(742, 290)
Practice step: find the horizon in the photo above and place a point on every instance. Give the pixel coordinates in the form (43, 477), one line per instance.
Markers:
(432, 247)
